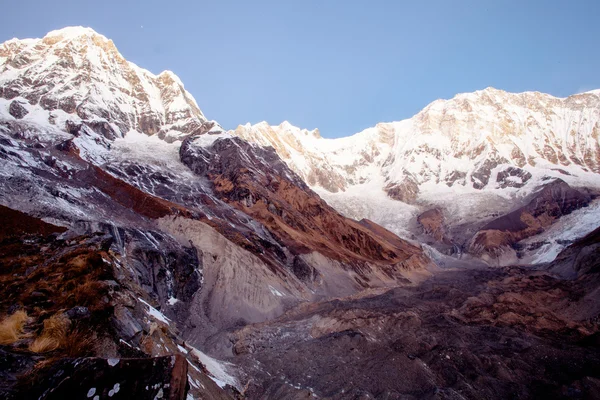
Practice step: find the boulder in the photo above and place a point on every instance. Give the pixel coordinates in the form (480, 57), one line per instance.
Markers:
(17, 110)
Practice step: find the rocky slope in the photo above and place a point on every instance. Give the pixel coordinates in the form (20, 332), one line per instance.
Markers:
(497, 333)
(485, 333)
(87, 325)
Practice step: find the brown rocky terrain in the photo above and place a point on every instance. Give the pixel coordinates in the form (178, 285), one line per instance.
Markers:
(432, 222)
(548, 205)
(81, 329)
(255, 180)
(498, 333)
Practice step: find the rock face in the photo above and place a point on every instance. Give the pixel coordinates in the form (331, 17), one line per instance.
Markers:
(87, 327)
(149, 378)
(432, 222)
(16, 223)
(580, 258)
(256, 181)
(17, 110)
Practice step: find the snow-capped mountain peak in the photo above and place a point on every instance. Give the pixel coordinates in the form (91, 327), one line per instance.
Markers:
(456, 142)
(82, 73)
(70, 32)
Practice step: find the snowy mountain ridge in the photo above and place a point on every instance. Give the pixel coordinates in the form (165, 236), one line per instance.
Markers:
(456, 142)
(81, 72)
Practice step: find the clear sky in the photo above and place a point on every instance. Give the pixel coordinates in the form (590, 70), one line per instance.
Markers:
(340, 66)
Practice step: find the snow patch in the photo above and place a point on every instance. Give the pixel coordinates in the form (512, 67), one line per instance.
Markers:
(275, 291)
(155, 313)
(218, 370)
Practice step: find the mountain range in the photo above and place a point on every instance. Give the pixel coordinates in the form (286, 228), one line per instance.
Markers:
(269, 262)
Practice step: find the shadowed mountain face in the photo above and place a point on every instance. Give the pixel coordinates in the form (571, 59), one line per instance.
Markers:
(139, 236)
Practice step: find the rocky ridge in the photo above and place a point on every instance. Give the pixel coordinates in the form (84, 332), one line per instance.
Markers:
(79, 72)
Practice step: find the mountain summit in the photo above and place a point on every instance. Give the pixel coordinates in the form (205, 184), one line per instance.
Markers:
(81, 72)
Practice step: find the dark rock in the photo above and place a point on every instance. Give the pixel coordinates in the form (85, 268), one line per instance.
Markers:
(68, 147)
(17, 110)
(83, 378)
(78, 312)
(125, 324)
(103, 128)
(13, 309)
(68, 105)
(12, 365)
(580, 259)
(73, 128)
(303, 271)
(519, 177)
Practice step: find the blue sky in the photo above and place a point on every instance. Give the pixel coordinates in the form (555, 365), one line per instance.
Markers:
(340, 66)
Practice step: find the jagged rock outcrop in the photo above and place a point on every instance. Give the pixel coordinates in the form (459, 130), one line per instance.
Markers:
(432, 222)
(145, 378)
(17, 110)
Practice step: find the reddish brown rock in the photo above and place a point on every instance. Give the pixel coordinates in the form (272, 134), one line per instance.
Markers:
(16, 223)
(549, 204)
(255, 180)
(405, 191)
(432, 222)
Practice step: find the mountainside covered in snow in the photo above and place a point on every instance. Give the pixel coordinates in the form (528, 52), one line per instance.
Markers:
(467, 141)
(79, 72)
(473, 157)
